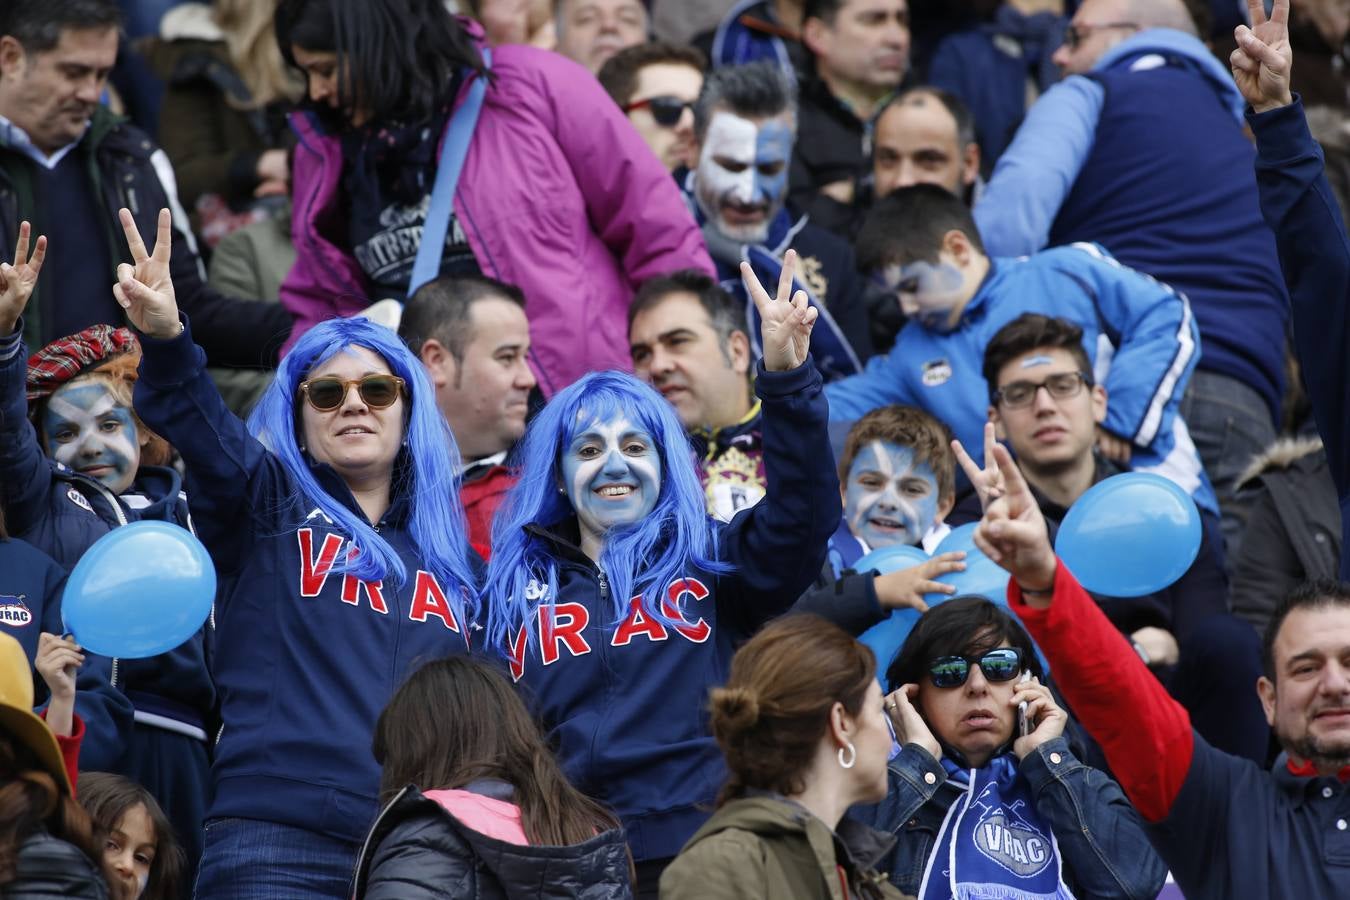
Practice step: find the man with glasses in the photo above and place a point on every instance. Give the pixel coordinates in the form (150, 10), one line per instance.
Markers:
(1138, 332)
(1045, 405)
(656, 86)
(1141, 149)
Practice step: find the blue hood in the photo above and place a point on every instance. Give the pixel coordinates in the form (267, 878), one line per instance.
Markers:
(1185, 49)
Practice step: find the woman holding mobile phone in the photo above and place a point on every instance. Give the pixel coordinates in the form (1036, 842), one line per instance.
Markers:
(976, 798)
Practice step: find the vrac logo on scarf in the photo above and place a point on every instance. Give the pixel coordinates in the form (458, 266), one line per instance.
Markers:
(14, 612)
(1009, 840)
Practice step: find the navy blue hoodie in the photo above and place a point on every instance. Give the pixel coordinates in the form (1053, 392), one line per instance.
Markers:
(62, 513)
(304, 658)
(627, 701)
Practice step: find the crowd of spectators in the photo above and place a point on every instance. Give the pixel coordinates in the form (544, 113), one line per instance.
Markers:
(545, 378)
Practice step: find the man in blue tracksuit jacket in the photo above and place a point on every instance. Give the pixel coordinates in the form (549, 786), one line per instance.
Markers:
(1141, 150)
(1138, 332)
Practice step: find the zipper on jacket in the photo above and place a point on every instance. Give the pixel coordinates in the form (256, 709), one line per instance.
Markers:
(604, 583)
(220, 733)
(116, 662)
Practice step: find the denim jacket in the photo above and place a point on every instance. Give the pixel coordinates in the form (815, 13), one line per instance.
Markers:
(1102, 843)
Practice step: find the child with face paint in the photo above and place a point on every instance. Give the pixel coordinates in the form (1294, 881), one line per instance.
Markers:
(618, 601)
(896, 476)
(76, 462)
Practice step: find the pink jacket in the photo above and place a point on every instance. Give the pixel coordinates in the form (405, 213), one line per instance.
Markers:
(559, 196)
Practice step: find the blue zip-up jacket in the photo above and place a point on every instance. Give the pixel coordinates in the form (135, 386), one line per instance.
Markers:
(1102, 841)
(305, 658)
(62, 513)
(1145, 155)
(626, 702)
(1315, 254)
(1138, 332)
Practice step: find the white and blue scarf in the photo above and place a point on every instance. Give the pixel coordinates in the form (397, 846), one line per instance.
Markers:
(993, 844)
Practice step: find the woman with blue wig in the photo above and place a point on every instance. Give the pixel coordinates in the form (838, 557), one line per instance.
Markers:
(619, 602)
(340, 548)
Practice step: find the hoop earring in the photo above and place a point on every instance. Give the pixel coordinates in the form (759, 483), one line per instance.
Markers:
(852, 755)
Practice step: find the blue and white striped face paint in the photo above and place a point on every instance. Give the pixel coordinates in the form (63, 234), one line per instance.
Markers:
(889, 498)
(612, 474)
(742, 173)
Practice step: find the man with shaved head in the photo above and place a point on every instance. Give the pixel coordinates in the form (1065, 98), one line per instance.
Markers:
(1140, 149)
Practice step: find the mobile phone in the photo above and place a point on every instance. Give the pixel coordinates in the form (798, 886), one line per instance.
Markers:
(1023, 726)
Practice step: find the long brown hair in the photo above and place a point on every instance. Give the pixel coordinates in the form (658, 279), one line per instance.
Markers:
(774, 710)
(250, 35)
(456, 720)
(31, 801)
(106, 797)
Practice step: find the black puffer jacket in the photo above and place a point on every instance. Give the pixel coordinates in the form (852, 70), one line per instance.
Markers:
(50, 868)
(419, 851)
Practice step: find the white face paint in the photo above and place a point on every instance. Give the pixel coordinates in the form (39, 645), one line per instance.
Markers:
(742, 173)
(932, 294)
(88, 430)
(889, 499)
(612, 474)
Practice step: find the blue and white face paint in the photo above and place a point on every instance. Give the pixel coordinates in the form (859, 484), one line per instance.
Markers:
(931, 293)
(888, 499)
(743, 172)
(90, 431)
(612, 474)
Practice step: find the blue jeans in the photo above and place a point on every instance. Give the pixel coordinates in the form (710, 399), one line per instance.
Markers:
(1230, 425)
(246, 859)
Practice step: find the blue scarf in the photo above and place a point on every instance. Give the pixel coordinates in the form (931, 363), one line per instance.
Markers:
(831, 351)
(843, 550)
(993, 844)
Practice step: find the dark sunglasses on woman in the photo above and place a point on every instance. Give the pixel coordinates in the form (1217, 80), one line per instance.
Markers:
(328, 392)
(665, 110)
(1002, 664)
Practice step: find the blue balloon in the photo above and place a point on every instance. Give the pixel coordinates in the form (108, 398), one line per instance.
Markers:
(887, 637)
(1130, 535)
(962, 537)
(140, 590)
(982, 576)
(891, 559)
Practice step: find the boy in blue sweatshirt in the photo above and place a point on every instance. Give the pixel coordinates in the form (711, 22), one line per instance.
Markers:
(1138, 332)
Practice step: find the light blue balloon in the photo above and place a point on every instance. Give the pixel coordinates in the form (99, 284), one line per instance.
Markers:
(982, 576)
(962, 537)
(887, 637)
(140, 590)
(1130, 535)
(885, 560)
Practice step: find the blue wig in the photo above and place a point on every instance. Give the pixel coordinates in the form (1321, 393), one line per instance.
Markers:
(426, 468)
(643, 557)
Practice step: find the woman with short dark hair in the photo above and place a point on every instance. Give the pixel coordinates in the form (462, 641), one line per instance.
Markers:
(978, 799)
(801, 724)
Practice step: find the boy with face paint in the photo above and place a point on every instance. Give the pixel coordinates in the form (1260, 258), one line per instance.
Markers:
(75, 462)
(897, 481)
(1139, 334)
(744, 130)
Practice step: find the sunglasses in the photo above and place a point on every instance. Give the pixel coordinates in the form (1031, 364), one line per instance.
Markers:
(328, 392)
(1003, 664)
(665, 110)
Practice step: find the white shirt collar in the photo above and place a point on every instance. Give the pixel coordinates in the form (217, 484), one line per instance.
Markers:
(16, 139)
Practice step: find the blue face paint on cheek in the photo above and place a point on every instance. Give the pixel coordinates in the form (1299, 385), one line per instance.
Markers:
(89, 431)
(773, 150)
(881, 503)
(612, 473)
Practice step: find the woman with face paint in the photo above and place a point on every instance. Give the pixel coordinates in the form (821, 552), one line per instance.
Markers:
(334, 524)
(75, 463)
(555, 193)
(618, 601)
(985, 794)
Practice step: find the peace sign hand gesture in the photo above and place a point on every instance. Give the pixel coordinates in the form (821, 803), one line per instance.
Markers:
(785, 321)
(1013, 534)
(988, 482)
(18, 280)
(1262, 61)
(145, 290)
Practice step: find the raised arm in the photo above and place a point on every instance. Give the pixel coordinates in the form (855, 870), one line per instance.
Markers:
(25, 475)
(1146, 735)
(778, 546)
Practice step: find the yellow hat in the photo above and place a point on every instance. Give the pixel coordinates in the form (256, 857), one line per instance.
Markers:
(16, 711)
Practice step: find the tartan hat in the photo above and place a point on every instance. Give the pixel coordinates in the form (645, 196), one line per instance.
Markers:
(93, 348)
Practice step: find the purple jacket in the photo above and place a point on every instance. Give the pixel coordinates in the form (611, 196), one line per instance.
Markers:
(559, 196)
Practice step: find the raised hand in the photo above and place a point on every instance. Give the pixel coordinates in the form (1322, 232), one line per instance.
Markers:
(910, 728)
(1262, 61)
(58, 661)
(906, 587)
(18, 280)
(1042, 709)
(988, 482)
(785, 321)
(145, 290)
(1012, 532)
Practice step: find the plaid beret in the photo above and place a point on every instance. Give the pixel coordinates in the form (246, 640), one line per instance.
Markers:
(63, 359)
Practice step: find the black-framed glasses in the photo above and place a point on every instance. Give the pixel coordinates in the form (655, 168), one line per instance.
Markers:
(1074, 35)
(327, 392)
(666, 110)
(1003, 664)
(1061, 386)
